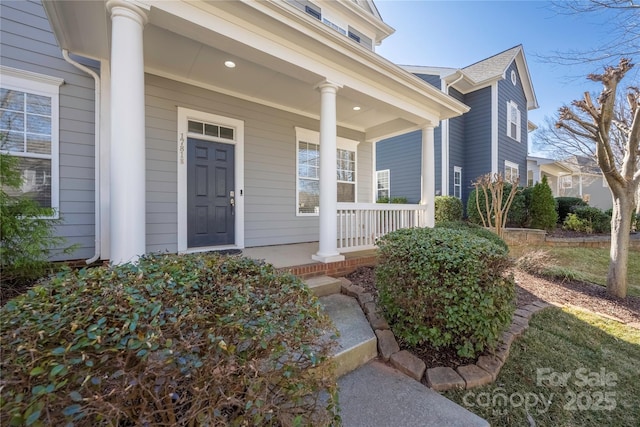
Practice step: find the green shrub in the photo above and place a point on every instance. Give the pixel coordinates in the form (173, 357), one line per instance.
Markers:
(476, 230)
(27, 236)
(444, 287)
(516, 217)
(566, 205)
(596, 220)
(574, 223)
(172, 340)
(542, 210)
(448, 208)
(397, 200)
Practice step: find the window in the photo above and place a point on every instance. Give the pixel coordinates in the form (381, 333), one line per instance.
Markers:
(211, 129)
(360, 38)
(308, 171)
(513, 121)
(511, 171)
(566, 181)
(457, 182)
(383, 184)
(29, 131)
(313, 11)
(530, 178)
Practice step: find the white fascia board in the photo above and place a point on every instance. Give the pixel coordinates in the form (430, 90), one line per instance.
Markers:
(525, 78)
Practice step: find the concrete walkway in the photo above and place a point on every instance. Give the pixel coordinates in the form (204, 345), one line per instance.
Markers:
(378, 395)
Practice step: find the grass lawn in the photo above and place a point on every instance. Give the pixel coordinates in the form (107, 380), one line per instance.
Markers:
(570, 368)
(586, 264)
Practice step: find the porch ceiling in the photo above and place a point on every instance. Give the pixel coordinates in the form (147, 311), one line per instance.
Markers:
(277, 63)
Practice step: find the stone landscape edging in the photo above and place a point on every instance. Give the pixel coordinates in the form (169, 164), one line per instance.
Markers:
(484, 371)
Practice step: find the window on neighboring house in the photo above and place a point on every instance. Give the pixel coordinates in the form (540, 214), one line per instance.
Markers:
(457, 182)
(566, 181)
(383, 184)
(511, 171)
(530, 182)
(29, 131)
(513, 121)
(308, 171)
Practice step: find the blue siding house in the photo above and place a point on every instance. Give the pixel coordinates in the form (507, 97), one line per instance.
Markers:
(490, 138)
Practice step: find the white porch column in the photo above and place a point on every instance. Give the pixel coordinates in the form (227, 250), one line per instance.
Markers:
(127, 169)
(328, 247)
(428, 174)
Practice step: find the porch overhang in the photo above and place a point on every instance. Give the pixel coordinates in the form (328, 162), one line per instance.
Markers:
(280, 53)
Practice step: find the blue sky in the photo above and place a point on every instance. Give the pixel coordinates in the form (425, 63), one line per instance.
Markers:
(459, 33)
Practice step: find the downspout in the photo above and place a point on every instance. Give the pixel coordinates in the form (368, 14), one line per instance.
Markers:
(96, 78)
(445, 162)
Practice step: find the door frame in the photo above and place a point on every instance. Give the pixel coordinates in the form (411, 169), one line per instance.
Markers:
(184, 114)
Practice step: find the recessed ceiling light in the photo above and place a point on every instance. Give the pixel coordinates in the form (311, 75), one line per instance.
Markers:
(229, 64)
(356, 108)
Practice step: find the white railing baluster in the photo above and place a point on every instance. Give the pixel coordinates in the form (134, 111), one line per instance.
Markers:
(360, 224)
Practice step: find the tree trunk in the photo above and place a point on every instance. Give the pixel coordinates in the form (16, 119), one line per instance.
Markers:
(623, 207)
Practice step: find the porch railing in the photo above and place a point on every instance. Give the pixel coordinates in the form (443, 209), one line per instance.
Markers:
(360, 224)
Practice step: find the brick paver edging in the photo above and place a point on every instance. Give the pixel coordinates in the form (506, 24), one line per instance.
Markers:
(484, 371)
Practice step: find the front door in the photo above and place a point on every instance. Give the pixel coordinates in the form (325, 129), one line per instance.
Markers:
(211, 198)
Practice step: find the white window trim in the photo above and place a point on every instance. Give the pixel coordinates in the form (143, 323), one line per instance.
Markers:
(388, 172)
(313, 137)
(511, 165)
(518, 120)
(40, 84)
(566, 179)
(184, 115)
(457, 169)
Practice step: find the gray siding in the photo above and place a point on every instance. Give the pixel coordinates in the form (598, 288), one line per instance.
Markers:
(592, 186)
(477, 135)
(270, 159)
(27, 43)
(508, 148)
(402, 156)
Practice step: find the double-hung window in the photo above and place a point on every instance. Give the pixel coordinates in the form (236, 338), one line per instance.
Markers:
(308, 171)
(29, 131)
(457, 182)
(383, 184)
(511, 172)
(513, 121)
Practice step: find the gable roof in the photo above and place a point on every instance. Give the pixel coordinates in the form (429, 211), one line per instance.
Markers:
(491, 67)
(485, 72)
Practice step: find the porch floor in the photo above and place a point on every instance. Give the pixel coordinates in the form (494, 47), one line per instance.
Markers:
(296, 258)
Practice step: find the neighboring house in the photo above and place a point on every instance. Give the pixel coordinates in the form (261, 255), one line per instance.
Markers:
(537, 167)
(185, 126)
(490, 138)
(575, 176)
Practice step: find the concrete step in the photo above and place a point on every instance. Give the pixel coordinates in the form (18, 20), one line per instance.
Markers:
(357, 344)
(323, 285)
(379, 395)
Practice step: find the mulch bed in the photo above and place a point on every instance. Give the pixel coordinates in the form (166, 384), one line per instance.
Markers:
(529, 288)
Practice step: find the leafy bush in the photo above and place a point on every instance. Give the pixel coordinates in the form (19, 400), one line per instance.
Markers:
(444, 287)
(172, 340)
(516, 217)
(27, 236)
(448, 208)
(566, 205)
(573, 223)
(542, 208)
(476, 230)
(397, 200)
(594, 220)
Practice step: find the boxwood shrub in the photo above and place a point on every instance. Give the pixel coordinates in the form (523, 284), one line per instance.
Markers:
(445, 287)
(448, 208)
(567, 205)
(475, 229)
(171, 340)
